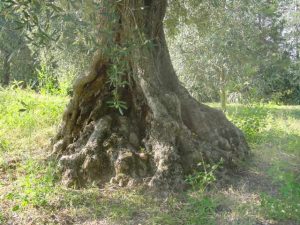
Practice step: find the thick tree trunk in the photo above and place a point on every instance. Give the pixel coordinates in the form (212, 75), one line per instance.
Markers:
(162, 135)
(6, 70)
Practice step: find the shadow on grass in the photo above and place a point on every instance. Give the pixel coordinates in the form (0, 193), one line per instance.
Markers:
(91, 204)
(123, 206)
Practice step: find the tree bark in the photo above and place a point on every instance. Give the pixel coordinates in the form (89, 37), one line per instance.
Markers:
(6, 70)
(223, 96)
(163, 134)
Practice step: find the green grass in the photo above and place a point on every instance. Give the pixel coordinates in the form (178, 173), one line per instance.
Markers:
(274, 134)
(30, 189)
(26, 118)
(286, 204)
(27, 121)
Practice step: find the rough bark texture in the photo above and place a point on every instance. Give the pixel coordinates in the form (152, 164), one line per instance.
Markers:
(164, 132)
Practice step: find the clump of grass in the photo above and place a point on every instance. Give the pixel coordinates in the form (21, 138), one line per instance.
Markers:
(200, 210)
(4, 144)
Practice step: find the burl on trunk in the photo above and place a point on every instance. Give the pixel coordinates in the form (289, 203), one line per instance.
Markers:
(163, 134)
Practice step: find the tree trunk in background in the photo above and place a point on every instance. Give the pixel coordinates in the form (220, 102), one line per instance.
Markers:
(223, 96)
(163, 134)
(6, 70)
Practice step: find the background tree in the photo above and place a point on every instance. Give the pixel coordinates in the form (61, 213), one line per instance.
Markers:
(291, 31)
(243, 40)
(14, 53)
(57, 40)
(219, 46)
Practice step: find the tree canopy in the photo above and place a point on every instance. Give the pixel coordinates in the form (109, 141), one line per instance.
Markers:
(254, 44)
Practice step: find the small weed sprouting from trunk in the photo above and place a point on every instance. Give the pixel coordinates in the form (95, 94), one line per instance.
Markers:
(200, 207)
(206, 176)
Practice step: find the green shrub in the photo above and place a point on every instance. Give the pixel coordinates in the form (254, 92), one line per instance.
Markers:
(251, 120)
(49, 83)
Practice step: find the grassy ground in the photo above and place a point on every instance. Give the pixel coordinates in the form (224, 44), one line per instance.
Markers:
(266, 190)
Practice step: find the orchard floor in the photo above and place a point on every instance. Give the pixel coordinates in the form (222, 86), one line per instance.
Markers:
(265, 190)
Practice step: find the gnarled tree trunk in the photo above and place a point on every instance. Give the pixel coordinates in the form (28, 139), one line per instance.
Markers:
(163, 133)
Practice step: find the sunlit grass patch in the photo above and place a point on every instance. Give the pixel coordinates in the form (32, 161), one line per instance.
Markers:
(28, 111)
(27, 121)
